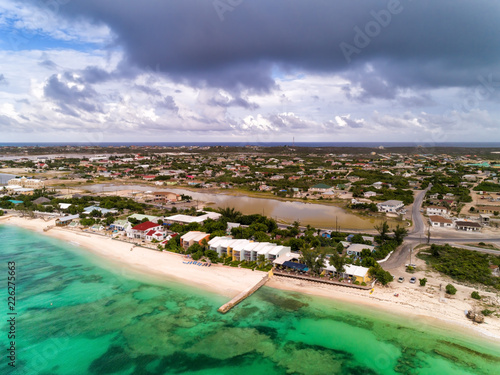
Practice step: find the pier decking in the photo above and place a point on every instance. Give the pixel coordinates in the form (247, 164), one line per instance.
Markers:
(240, 297)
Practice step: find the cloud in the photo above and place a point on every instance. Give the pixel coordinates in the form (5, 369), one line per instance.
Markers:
(347, 121)
(3, 80)
(188, 41)
(71, 94)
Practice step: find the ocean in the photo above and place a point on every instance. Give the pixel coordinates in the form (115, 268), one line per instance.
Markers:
(78, 314)
(262, 144)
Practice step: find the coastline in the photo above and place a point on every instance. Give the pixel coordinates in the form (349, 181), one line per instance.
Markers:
(420, 305)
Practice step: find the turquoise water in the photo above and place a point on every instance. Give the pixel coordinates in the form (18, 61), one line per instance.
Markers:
(83, 315)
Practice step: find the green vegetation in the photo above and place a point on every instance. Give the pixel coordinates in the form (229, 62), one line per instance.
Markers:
(422, 281)
(487, 312)
(450, 289)
(487, 186)
(463, 265)
(475, 295)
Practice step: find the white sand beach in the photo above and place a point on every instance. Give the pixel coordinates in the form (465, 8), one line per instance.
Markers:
(425, 303)
(228, 281)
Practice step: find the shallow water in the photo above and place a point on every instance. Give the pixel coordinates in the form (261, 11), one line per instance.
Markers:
(79, 314)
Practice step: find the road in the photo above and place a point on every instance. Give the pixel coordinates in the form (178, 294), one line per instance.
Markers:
(399, 256)
(416, 216)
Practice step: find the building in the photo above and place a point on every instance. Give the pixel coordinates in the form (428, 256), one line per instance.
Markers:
(436, 210)
(140, 230)
(320, 188)
(165, 197)
(190, 238)
(369, 194)
(467, 225)
(239, 249)
(357, 248)
(66, 220)
(439, 221)
(24, 182)
(187, 219)
(488, 209)
(355, 273)
(390, 206)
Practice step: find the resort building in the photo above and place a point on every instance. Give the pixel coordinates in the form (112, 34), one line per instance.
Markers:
(246, 249)
(190, 238)
(390, 206)
(468, 225)
(488, 209)
(439, 221)
(140, 230)
(26, 183)
(436, 210)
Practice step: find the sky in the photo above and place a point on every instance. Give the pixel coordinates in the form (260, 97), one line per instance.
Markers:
(249, 71)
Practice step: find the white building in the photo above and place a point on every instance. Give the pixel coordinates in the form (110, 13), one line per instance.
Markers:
(440, 222)
(436, 210)
(390, 206)
(246, 249)
(24, 182)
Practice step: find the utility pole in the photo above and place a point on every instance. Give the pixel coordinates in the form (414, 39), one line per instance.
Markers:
(429, 234)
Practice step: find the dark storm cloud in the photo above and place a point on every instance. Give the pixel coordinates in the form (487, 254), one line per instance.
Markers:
(169, 103)
(71, 95)
(423, 43)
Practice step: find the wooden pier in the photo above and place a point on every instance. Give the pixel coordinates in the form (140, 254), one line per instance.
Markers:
(240, 297)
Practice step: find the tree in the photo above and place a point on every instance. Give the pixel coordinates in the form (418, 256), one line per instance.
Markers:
(450, 289)
(383, 230)
(400, 233)
(230, 214)
(313, 259)
(435, 250)
(194, 248)
(423, 281)
(261, 259)
(109, 220)
(338, 262)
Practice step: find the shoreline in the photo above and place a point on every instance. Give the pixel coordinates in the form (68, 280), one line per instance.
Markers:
(230, 281)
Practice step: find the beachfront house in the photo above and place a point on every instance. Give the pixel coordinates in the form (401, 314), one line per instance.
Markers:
(66, 220)
(190, 238)
(351, 272)
(390, 206)
(240, 249)
(440, 222)
(140, 230)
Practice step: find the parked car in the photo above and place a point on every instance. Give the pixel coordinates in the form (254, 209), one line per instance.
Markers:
(411, 265)
(401, 279)
(413, 280)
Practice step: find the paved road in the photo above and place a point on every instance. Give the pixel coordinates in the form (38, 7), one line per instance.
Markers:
(416, 216)
(400, 255)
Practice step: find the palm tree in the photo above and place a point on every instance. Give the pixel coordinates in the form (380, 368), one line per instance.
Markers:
(230, 214)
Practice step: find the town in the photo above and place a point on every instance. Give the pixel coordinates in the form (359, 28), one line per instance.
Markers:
(159, 199)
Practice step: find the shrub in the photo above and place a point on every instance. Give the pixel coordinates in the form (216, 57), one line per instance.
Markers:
(475, 295)
(363, 283)
(423, 281)
(450, 289)
(487, 312)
